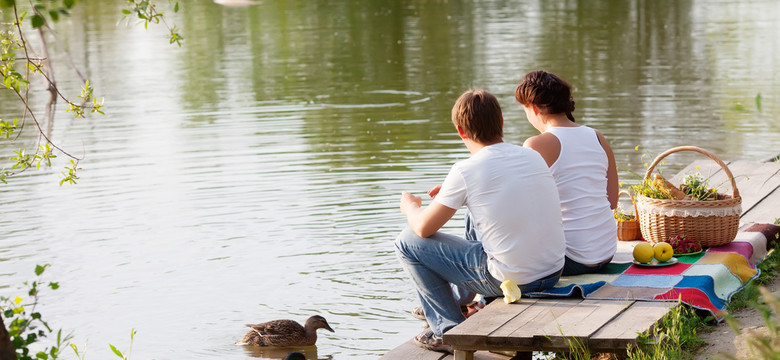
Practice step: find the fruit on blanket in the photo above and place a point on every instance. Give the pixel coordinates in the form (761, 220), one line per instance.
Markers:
(511, 291)
(643, 252)
(663, 251)
(684, 245)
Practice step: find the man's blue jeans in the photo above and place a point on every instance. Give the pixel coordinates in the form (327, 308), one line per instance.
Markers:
(436, 262)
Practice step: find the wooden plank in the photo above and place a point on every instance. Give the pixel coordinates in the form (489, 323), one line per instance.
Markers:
(409, 350)
(765, 211)
(520, 331)
(754, 180)
(706, 167)
(579, 323)
(475, 330)
(483, 355)
(623, 330)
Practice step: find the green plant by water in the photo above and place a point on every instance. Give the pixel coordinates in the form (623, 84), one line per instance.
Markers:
(26, 326)
(29, 332)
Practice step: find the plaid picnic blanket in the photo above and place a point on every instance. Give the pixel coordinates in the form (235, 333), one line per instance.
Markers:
(706, 280)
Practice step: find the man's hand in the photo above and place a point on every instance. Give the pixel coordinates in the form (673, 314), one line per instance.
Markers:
(424, 221)
(408, 202)
(433, 192)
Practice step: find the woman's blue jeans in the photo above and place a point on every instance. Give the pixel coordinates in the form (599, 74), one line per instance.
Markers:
(442, 260)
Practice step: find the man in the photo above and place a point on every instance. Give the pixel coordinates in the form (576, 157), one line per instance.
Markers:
(514, 211)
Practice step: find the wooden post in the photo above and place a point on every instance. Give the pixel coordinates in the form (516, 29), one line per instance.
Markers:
(464, 354)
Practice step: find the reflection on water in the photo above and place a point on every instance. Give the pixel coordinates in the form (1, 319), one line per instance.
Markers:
(254, 173)
(310, 352)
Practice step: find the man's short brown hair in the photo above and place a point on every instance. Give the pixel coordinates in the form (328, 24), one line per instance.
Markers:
(478, 113)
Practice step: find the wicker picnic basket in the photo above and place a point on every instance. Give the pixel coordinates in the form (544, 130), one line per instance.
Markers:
(628, 229)
(712, 222)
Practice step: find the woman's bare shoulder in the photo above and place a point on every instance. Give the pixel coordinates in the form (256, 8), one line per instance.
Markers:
(545, 144)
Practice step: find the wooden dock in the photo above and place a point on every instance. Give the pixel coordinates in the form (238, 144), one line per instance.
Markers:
(600, 325)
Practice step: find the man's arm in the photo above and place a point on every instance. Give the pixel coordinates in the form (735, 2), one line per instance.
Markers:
(424, 221)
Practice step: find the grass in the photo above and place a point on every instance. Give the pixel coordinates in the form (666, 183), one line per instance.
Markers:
(676, 336)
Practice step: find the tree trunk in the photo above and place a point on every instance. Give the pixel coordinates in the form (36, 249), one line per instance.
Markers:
(7, 351)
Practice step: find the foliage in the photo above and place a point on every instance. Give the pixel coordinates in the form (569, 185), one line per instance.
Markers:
(146, 11)
(19, 63)
(26, 326)
(697, 187)
(654, 189)
(674, 337)
(648, 187)
(621, 215)
(120, 354)
(82, 354)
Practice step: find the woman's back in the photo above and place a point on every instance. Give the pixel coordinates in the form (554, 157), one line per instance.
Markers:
(580, 173)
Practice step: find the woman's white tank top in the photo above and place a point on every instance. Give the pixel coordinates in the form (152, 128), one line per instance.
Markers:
(581, 175)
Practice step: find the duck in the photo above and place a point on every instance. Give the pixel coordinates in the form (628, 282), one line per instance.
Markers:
(285, 333)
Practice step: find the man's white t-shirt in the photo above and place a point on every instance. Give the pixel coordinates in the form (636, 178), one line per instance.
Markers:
(513, 201)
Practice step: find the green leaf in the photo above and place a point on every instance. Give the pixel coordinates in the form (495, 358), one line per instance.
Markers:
(39, 269)
(37, 21)
(41, 355)
(69, 3)
(126, 12)
(758, 102)
(6, 4)
(117, 352)
(55, 16)
(176, 7)
(54, 285)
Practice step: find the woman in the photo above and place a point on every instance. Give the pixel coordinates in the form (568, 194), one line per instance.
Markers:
(583, 166)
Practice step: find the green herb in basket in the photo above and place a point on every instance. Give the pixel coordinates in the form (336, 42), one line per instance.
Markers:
(697, 187)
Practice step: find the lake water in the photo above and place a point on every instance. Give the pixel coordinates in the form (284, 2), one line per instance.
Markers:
(254, 173)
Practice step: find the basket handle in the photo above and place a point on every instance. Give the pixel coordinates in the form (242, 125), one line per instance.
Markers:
(636, 213)
(697, 149)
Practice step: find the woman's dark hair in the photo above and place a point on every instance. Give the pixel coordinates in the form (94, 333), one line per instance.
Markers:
(550, 93)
